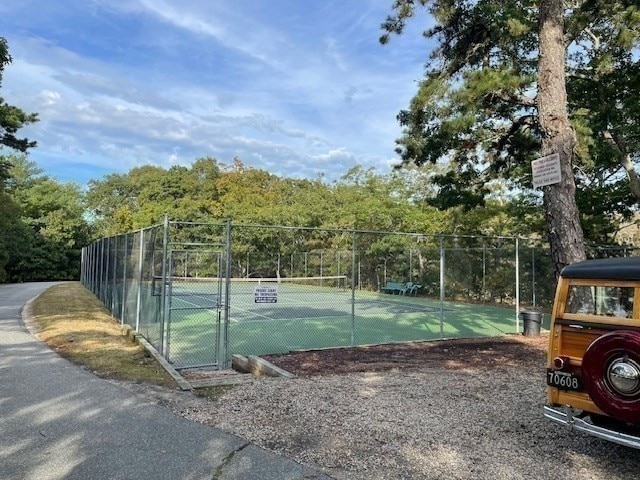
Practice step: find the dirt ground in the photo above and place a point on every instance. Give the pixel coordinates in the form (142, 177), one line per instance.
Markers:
(489, 353)
(419, 410)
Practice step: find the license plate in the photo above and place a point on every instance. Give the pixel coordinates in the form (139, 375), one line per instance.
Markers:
(563, 380)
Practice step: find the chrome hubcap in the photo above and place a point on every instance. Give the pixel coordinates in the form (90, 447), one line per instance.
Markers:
(623, 376)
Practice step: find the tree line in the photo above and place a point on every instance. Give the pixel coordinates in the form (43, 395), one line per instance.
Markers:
(42, 224)
(45, 223)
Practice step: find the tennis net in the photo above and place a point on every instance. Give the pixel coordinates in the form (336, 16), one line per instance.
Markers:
(197, 285)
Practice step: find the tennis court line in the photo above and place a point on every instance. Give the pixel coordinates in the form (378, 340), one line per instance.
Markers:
(252, 313)
(215, 308)
(294, 319)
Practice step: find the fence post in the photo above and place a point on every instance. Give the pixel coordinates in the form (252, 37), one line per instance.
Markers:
(97, 273)
(163, 291)
(82, 265)
(107, 276)
(410, 264)
(114, 275)
(102, 270)
(223, 350)
(533, 276)
(139, 292)
(278, 267)
(353, 287)
(90, 267)
(484, 271)
(442, 266)
(384, 279)
(108, 297)
(517, 285)
(125, 261)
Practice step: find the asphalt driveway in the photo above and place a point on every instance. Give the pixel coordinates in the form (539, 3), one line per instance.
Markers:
(58, 421)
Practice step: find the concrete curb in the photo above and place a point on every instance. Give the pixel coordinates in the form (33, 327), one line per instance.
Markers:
(28, 320)
(135, 337)
(258, 367)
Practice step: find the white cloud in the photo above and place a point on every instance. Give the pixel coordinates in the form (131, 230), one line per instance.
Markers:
(338, 154)
(231, 29)
(49, 98)
(286, 86)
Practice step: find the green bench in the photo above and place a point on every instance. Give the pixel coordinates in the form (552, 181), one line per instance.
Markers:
(394, 287)
(401, 288)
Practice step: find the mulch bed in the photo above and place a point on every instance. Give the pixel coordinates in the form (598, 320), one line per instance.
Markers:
(485, 353)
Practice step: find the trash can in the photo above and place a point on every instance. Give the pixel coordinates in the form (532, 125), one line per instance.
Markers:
(532, 322)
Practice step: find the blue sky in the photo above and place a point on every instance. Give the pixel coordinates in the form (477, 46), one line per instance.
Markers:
(299, 88)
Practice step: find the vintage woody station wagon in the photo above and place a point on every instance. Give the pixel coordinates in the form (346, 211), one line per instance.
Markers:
(593, 369)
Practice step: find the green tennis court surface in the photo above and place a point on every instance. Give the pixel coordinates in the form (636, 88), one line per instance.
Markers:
(310, 317)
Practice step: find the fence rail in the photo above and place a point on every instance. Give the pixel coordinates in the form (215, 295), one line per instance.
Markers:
(200, 292)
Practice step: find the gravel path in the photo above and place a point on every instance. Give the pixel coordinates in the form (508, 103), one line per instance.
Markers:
(470, 422)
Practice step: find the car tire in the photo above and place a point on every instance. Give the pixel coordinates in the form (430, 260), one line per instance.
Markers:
(611, 374)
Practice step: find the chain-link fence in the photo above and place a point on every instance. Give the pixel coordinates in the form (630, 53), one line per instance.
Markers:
(200, 292)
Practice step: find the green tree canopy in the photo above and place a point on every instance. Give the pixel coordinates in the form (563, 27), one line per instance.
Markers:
(12, 118)
(120, 203)
(15, 236)
(44, 227)
(487, 105)
(210, 191)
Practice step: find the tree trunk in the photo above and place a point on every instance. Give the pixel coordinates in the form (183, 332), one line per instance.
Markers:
(566, 238)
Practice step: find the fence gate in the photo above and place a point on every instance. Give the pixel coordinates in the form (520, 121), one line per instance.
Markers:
(195, 335)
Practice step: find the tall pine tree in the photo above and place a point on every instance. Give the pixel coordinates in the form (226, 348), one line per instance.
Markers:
(494, 97)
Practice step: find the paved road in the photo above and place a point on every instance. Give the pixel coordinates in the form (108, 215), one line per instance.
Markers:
(58, 421)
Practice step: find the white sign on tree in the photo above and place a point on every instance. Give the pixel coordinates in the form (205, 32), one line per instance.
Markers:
(546, 170)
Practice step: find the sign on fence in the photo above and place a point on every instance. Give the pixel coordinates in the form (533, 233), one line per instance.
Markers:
(265, 294)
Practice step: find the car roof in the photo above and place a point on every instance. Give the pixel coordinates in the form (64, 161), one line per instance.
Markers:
(625, 268)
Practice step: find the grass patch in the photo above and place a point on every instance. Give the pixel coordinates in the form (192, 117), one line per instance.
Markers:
(75, 324)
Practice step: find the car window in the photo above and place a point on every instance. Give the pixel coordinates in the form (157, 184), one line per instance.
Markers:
(601, 300)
